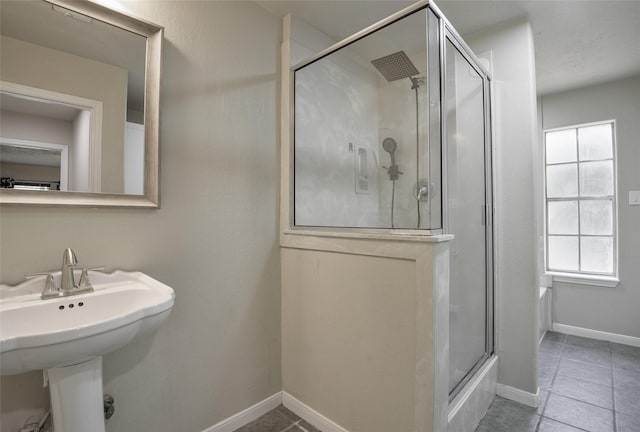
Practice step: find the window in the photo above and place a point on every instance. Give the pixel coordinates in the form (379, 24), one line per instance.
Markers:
(581, 201)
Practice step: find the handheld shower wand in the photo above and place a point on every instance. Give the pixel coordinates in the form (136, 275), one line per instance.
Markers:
(390, 146)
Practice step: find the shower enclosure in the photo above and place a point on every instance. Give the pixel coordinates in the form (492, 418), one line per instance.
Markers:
(392, 135)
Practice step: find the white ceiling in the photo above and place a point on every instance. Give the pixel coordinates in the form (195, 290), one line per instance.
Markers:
(37, 107)
(29, 156)
(577, 43)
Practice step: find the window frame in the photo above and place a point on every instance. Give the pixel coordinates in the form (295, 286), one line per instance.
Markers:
(581, 276)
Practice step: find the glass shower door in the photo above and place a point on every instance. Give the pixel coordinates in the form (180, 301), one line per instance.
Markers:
(468, 169)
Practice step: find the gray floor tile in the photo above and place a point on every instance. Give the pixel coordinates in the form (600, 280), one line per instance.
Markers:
(626, 357)
(548, 425)
(551, 348)
(545, 380)
(288, 413)
(628, 401)
(592, 373)
(547, 366)
(307, 427)
(272, 421)
(542, 401)
(507, 416)
(627, 423)
(599, 345)
(587, 355)
(626, 379)
(546, 361)
(554, 336)
(626, 361)
(585, 391)
(579, 414)
(626, 349)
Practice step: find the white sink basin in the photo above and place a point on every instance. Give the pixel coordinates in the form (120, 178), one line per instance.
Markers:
(44, 334)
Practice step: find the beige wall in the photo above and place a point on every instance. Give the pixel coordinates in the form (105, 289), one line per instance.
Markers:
(358, 331)
(348, 342)
(214, 239)
(36, 66)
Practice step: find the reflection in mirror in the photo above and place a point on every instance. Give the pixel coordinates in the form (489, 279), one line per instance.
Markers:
(81, 82)
(32, 168)
(33, 125)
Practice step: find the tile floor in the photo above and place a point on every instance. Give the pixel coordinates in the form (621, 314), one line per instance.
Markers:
(585, 385)
(280, 419)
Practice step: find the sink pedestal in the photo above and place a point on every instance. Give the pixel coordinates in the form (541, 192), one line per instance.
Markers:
(76, 331)
(76, 397)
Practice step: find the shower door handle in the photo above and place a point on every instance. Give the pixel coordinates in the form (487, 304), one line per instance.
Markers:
(484, 215)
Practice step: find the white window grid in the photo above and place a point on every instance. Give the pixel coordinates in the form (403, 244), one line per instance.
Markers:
(578, 198)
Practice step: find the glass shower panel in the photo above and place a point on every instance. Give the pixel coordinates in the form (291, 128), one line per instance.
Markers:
(362, 130)
(467, 201)
(434, 199)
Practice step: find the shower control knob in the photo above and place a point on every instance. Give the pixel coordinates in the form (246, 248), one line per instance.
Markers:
(109, 407)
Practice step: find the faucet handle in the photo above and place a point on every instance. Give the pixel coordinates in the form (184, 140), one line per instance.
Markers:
(35, 275)
(50, 290)
(84, 277)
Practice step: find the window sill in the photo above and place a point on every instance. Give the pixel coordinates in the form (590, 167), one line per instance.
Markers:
(605, 281)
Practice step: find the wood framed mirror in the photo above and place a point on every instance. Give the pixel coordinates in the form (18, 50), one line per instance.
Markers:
(79, 105)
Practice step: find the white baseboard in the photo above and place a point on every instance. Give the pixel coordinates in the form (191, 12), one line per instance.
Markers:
(542, 337)
(248, 415)
(517, 395)
(310, 415)
(597, 334)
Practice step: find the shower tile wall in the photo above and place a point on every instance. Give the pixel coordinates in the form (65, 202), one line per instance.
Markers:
(397, 119)
(343, 104)
(336, 115)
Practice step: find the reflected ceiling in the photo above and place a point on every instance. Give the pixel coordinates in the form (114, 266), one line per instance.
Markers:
(38, 23)
(38, 107)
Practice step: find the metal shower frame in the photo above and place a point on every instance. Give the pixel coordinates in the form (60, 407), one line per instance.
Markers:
(446, 33)
(445, 30)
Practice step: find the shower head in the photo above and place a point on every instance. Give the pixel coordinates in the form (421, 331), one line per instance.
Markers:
(395, 66)
(389, 145)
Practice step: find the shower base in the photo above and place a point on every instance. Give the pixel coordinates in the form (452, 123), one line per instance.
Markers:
(472, 403)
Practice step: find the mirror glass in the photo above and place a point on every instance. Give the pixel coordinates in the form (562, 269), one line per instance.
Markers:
(72, 99)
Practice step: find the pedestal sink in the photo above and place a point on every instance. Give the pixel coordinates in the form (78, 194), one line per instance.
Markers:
(68, 336)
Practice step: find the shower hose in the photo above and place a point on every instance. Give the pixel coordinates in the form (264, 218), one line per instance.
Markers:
(393, 197)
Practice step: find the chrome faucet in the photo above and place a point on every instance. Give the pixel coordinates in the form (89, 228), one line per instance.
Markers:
(68, 286)
(69, 262)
